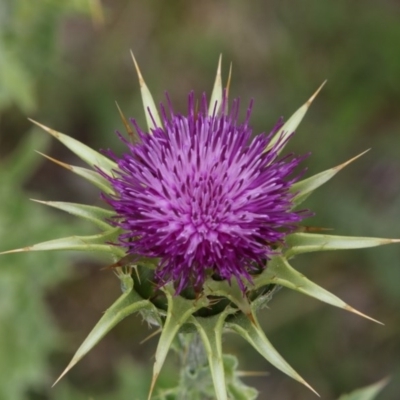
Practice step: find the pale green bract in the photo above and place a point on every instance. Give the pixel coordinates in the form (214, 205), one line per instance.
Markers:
(366, 393)
(180, 316)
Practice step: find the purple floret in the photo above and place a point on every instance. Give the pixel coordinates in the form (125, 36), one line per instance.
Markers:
(203, 196)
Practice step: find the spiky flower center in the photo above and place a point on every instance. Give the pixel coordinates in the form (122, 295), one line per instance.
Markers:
(203, 196)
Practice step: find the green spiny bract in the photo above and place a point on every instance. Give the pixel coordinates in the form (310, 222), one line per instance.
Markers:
(217, 304)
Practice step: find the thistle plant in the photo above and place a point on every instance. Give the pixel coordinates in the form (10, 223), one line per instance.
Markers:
(201, 220)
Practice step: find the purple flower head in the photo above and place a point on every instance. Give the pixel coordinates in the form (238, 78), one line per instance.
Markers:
(203, 196)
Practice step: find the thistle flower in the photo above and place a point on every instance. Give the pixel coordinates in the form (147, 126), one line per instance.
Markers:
(202, 196)
(203, 222)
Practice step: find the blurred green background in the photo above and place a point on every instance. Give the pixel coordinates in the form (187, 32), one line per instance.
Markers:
(65, 63)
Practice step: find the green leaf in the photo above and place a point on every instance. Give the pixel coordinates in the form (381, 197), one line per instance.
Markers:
(293, 122)
(23, 161)
(135, 259)
(237, 390)
(298, 243)
(91, 176)
(93, 214)
(252, 333)
(127, 304)
(304, 188)
(366, 393)
(281, 273)
(150, 109)
(179, 311)
(17, 81)
(210, 330)
(217, 93)
(229, 290)
(79, 243)
(87, 154)
(132, 135)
